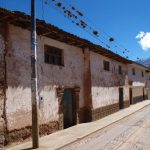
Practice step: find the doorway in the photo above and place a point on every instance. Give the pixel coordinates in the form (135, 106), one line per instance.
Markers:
(68, 108)
(121, 103)
(143, 94)
(130, 94)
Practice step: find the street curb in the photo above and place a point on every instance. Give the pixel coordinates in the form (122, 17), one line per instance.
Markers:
(80, 138)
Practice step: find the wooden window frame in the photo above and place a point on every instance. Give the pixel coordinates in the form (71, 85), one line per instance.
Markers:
(106, 65)
(120, 70)
(53, 55)
(133, 71)
(142, 73)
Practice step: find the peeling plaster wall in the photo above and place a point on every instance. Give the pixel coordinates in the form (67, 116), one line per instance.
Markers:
(146, 92)
(105, 84)
(49, 76)
(137, 79)
(126, 93)
(2, 87)
(103, 96)
(138, 82)
(137, 91)
(148, 80)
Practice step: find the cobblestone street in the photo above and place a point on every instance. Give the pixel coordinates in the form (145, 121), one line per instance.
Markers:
(130, 133)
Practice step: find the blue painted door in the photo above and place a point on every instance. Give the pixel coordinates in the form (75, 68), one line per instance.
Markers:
(68, 108)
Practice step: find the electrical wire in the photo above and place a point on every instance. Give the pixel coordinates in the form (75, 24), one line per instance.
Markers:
(115, 43)
(101, 38)
(108, 36)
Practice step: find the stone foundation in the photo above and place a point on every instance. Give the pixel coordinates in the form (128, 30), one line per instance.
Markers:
(126, 104)
(137, 99)
(145, 97)
(101, 112)
(25, 133)
(83, 115)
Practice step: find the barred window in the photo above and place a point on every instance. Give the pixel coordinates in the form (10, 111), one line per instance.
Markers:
(53, 55)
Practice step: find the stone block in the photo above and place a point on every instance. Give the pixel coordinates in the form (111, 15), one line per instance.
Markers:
(101, 112)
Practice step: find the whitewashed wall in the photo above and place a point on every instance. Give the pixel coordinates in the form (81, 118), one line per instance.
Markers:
(137, 79)
(126, 93)
(105, 84)
(18, 104)
(137, 91)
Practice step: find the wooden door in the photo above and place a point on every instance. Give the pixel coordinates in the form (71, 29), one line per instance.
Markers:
(68, 108)
(121, 102)
(131, 97)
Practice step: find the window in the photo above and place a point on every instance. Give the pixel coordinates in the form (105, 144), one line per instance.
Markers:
(142, 74)
(106, 65)
(133, 71)
(53, 55)
(120, 70)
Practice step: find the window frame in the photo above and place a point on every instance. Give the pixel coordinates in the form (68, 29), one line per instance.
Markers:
(53, 55)
(142, 73)
(133, 71)
(120, 70)
(106, 65)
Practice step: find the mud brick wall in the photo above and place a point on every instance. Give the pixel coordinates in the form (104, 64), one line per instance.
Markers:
(19, 135)
(148, 93)
(105, 84)
(145, 93)
(18, 92)
(137, 79)
(101, 112)
(2, 87)
(84, 114)
(137, 93)
(126, 104)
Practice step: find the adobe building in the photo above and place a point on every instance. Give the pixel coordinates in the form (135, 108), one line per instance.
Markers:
(78, 81)
(139, 82)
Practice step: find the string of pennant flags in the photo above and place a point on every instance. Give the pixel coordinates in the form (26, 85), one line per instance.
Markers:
(78, 18)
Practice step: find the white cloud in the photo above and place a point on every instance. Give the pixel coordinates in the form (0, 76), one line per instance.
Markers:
(140, 35)
(144, 40)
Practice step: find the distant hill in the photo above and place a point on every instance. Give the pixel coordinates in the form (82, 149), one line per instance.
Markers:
(145, 62)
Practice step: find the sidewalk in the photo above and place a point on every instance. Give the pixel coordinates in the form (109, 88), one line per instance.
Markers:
(67, 136)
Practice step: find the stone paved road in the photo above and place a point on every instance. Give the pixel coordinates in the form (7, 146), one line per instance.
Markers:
(130, 133)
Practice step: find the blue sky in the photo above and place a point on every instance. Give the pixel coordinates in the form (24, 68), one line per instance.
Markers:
(122, 19)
